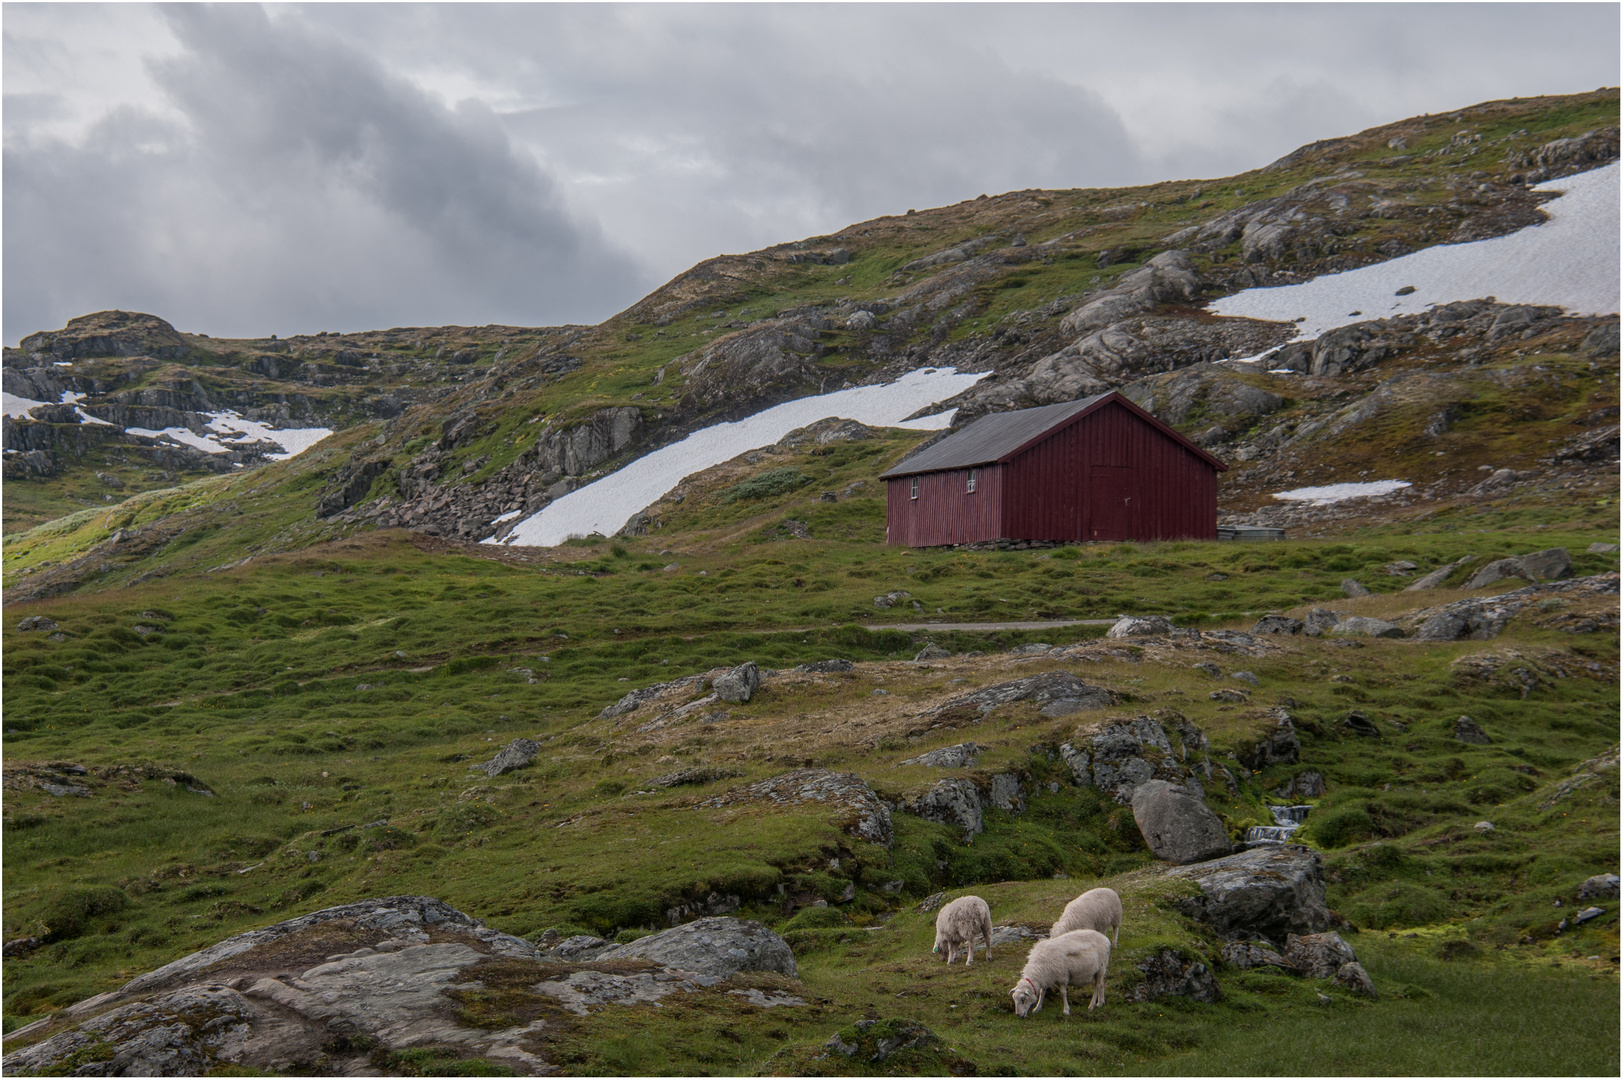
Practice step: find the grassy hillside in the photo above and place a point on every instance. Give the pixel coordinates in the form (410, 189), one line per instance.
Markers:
(245, 712)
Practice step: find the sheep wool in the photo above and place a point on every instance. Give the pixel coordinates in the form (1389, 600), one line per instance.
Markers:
(1076, 958)
(958, 923)
(1096, 909)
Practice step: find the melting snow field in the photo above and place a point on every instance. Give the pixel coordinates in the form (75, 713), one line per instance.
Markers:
(293, 441)
(605, 506)
(1334, 493)
(17, 407)
(1570, 261)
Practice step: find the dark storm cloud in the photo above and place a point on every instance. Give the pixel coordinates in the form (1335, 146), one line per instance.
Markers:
(306, 188)
(333, 166)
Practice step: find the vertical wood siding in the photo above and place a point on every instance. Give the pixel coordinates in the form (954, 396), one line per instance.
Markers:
(1048, 492)
(1052, 495)
(945, 512)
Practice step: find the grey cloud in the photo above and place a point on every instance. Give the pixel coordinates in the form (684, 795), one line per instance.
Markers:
(309, 189)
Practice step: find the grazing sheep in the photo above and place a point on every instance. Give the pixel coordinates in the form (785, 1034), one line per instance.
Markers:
(1072, 959)
(957, 925)
(1096, 909)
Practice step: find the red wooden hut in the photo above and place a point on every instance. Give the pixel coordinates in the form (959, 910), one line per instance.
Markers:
(1097, 469)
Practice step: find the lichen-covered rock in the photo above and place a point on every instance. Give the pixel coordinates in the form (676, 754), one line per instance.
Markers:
(961, 756)
(1140, 626)
(953, 802)
(186, 1032)
(1272, 891)
(1361, 626)
(1321, 621)
(737, 684)
(1599, 887)
(1468, 731)
(869, 817)
(515, 755)
(1353, 976)
(1051, 689)
(1279, 746)
(1169, 973)
(1317, 956)
(719, 947)
(1176, 826)
(1248, 954)
(37, 622)
(1278, 624)
(271, 1000)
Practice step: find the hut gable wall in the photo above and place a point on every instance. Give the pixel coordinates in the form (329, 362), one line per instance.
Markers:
(1109, 476)
(945, 511)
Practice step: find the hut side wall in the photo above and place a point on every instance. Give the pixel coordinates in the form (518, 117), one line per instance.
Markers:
(1052, 493)
(945, 512)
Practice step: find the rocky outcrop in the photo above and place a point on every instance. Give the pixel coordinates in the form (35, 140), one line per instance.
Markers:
(107, 333)
(954, 802)
(961, 756)
(719, 947)
(1057, 693)
(1118, 756)
(1280, 745)
(515, 755)
(374, 971)
(1172, 973)
(866, 815)
(1483, 618)
(1168, 277)
(1177, 827)
(1267, 891)
(1317, 956)
(738, 684)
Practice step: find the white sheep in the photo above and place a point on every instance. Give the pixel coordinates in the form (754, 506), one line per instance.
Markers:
(958, 923)
(1075, 958)
(1096, 909)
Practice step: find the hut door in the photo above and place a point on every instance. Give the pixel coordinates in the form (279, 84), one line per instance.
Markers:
(1113, 504)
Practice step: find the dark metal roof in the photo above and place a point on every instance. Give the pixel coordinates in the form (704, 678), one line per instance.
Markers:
(1000, 436)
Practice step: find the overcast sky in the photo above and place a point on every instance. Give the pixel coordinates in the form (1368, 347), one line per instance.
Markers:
(246, 170)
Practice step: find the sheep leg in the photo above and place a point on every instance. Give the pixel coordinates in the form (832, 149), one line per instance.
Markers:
(1115, 934)
(971, 948)
(1098, 990)
(1065, 995)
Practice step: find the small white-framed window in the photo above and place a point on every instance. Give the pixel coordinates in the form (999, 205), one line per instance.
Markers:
(974, 475)
(915, 493)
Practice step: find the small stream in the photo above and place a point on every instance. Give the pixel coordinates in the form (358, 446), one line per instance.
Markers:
(1287, 819)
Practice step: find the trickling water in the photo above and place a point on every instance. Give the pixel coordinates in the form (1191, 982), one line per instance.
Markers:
(1287, 819)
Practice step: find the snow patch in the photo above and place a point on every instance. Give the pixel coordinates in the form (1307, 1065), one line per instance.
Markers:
(509, 516)
(1570, 261)
(1334, 493)
(232, 432)
(605, 506)
(18, 407)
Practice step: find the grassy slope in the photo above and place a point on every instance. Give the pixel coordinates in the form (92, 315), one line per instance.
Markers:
(253, 684)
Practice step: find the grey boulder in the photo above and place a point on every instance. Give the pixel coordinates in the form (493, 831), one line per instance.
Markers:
(1178, 827)
(1360, 626)
(1353, 976)
(1278, 624)
(1272, 891)
(932, 651)
(37, 622)
(1467, 730)
(1139, 626)
(1599, 887)
(1169, 973)
(1550, 564)
(719, 947)
(515, 755)
(738, 684)
(961, 756)
(1353, 588)
(1317, 956)
(953, 802)
(1248, 954)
